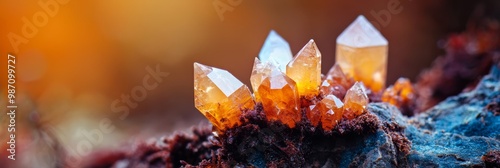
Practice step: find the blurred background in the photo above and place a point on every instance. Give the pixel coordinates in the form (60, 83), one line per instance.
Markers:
(77, 61)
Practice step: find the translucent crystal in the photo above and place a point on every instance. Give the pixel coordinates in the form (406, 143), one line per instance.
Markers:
(355, 101)
(313, 114)
(336, 76)
(280, 98)
(305, 70)
(362, 54)
(332, 110)
(259, 73)
(219, 96)
(335, 83)
(276, 51)
(329, 111)
(336, 89)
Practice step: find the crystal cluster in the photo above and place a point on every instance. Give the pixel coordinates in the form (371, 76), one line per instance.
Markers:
(280, 81)
(400, 94)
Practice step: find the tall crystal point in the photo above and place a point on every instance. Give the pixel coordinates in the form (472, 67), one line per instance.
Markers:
(276, 51)
(219, 96)
(362, 53)
(305, 70)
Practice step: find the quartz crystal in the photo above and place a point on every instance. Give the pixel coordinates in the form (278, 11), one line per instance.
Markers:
(328, 88)
(362, 54)
(280, 98)
(355, 101)
(400, 93)
(219, 96)
(332, 110)
(329, 111)
(336, 83)
(305, 70)
(259, 73)
(336, 76)
(276, 51)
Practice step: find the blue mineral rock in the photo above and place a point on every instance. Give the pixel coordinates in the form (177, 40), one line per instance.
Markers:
(455, 133)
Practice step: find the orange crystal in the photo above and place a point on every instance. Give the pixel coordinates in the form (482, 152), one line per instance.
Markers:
(313, 114)
(280, 98)
(362, 54)
(355, 101)
(400, 93)
(329, 111)
(332, 110)
(335, 83)
(336, 76)
(259, 73)
(219, 96)
(305, 69)
(328, 88)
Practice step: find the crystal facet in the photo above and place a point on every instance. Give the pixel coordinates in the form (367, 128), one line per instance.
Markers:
(313, 114)
(336, 83)
(329, 111)
(336, 76)
(332, 110)
(328, 88)
(355, 101)
(400, 93)
(362, 53)
(259, 73)
(280, 98)
(219, 96)
(276, 51)
(305, 69)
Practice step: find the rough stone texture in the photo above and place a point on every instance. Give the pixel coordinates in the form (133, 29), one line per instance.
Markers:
(492, 159)
(461, 131)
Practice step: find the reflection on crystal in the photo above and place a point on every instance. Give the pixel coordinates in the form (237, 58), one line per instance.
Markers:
(362, 54)
(219, 96)
(276, 51)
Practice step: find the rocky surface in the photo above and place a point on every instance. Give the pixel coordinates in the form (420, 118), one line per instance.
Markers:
(461, 131)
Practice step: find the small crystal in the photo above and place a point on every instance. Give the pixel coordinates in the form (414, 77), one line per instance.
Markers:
(328, 88)
(313, 114)
(335, 83)
(355, 101)
(219, 96)
(329, 111)
(259, 73)
(332, 110)
(280, 98)
(362, 54)
(400, 94)
(336, 76)
(305, 70)
(276, 51)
